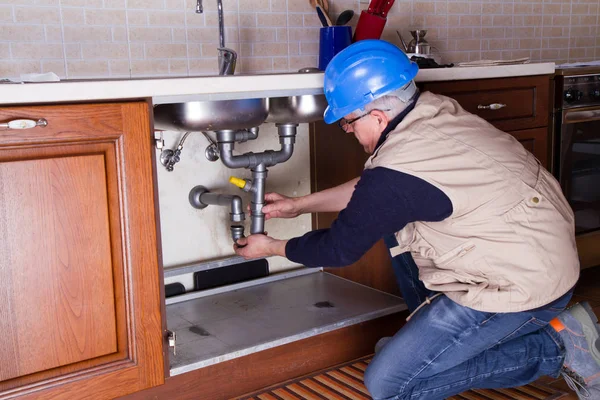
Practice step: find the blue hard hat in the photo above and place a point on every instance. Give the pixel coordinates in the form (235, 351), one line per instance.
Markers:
(363, 72)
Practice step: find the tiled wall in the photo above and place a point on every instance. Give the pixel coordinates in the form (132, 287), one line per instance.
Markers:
(123, 38)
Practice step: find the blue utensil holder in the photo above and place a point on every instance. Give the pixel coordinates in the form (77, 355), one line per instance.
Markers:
(332, 40)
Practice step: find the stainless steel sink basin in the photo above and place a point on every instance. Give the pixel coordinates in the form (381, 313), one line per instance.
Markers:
(211, 115)
(296, 109)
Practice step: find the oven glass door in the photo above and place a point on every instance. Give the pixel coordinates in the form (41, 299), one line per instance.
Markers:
(579, 171)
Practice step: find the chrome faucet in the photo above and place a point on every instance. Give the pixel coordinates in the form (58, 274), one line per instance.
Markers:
(227, 57)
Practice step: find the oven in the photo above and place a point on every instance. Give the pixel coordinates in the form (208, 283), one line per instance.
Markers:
(576, 158)
(576, 153)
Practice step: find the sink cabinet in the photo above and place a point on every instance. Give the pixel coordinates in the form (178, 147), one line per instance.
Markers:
(337, 157)
(79, 266)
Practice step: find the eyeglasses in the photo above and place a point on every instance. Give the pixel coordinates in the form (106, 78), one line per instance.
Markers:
(344, 123)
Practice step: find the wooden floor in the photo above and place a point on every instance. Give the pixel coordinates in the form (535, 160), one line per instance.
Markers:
(345, 382)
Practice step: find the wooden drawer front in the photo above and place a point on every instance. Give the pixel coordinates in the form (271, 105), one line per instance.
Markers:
(65, 123)
(526, 99)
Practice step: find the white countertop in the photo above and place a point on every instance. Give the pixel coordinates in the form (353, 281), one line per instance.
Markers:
(178, 89)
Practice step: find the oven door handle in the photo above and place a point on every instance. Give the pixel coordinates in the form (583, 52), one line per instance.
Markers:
(574, 116)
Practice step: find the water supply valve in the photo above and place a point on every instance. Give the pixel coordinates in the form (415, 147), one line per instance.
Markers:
(244, 184)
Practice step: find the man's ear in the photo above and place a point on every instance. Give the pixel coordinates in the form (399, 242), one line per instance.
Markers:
(382, 118)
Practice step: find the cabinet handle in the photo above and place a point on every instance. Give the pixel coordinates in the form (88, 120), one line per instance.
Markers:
(24, 123)
(493, 106)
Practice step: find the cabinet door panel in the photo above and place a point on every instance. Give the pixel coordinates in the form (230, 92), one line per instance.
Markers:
(79, 259)
(535, 141)
(68, 274)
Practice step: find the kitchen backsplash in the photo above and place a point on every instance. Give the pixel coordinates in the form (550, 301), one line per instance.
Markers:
(134, 38)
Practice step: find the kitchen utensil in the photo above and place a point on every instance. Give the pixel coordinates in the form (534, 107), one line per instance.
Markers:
(404, 45)
(323, 5)
(369, 26)
(322, 17)
(372, 20)
(344, 17)
(332, 40)
(383, 7)
(418, 45)
(373, 5)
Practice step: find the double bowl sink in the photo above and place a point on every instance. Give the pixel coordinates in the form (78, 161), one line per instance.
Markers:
(238, 114)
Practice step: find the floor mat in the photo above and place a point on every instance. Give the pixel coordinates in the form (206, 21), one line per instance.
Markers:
(346, 382)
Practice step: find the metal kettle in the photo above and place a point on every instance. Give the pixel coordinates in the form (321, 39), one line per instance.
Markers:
(418, 45)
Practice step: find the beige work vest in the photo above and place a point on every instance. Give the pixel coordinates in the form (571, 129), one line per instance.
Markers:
(509, 244)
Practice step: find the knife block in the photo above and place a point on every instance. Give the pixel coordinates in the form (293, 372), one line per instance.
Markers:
(369, 26)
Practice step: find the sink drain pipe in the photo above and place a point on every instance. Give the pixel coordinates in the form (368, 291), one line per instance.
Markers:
(257, 163)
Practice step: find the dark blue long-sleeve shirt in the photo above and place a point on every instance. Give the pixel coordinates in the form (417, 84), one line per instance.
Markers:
(383, 202)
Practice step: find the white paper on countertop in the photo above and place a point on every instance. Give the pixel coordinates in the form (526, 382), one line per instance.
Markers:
(46, 77)
(579, 64)
(491, 63)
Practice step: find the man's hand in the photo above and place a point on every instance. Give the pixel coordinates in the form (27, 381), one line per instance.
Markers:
(280, 206)
(259, 246)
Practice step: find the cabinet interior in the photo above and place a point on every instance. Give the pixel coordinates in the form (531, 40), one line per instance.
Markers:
(217, 326)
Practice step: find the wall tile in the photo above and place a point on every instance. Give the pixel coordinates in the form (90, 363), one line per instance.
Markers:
(87, 69)
(119, 68)
(105, 17)
(279, 5)
(149, 67)
(15, 68)
(73, 16)
(82, 33)
(145, 4)
(56, 66)
(73, 51)
(247, 19)
(168, 18)
(256, 64)
(178, 67)
(53, 33)
(269, 49)
(6, 14)
(271, 19)
(35, 50)
(257, 35)
(165, 50)
(25, 33)
(37, 15)
(158, 36)
(204, 66)
(298, 62)
(281, 64)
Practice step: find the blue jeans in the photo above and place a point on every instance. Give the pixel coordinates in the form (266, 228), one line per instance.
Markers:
(446, 348)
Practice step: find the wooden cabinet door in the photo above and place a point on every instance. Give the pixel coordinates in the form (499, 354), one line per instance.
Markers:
(79, 268)
(535, 141)
(337, 157)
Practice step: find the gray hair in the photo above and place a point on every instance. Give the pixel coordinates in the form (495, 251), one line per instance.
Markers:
(394, 102)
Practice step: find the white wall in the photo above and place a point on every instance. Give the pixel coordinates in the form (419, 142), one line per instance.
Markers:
(190, 235)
